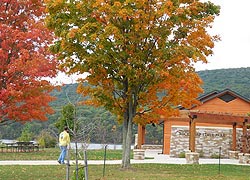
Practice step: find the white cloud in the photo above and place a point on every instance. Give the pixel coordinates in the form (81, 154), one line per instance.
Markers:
(62, 78)
(233, 26)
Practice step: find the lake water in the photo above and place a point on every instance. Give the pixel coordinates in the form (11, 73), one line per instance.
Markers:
(98, 146)
(80, 145)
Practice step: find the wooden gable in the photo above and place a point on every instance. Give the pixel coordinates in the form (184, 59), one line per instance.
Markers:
(225, 101)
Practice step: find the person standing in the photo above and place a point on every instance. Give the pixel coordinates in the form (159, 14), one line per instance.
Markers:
(64, 142)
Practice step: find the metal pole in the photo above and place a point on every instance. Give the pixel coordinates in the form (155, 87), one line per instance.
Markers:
(105, 152)
(219, 158)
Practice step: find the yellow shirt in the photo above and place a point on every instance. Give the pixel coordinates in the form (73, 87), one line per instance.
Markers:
(64, 139)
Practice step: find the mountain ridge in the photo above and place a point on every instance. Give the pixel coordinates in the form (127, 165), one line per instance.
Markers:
(236, 79)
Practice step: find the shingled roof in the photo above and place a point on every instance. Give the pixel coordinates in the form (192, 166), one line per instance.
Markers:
(226, 95)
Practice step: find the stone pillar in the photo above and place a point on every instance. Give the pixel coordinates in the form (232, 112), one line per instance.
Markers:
(136, 141)
(139, 154)
(192, 158)
(233, 154)
(244, 158)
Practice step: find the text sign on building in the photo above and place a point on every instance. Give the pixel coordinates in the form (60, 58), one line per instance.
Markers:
(199, 134)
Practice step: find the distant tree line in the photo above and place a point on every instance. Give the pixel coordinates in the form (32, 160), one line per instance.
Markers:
(107, 129)
(236, 79)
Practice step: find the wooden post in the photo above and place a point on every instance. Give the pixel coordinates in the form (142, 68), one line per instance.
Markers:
(189, 137)
(234, 137)
(167, 136)
(139, 136)
(143, 134)
(192, 135)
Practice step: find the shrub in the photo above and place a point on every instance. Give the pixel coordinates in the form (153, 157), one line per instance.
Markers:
(81, 174)
(182, 155)
(214, 156)
(201, 154)
(46, 140)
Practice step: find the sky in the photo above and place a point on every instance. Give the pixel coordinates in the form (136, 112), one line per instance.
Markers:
(233, 26)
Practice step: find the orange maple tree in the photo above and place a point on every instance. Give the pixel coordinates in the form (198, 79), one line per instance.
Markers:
(139, 54)
(24, 61)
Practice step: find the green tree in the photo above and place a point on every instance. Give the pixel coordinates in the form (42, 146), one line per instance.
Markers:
(67, 117)
(133, 50)
(26, 134)
(80, 131)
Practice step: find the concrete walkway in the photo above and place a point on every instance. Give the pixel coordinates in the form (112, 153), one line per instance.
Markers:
(154, 154)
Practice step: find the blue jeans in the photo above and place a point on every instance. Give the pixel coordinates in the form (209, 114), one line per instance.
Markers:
(62, 154)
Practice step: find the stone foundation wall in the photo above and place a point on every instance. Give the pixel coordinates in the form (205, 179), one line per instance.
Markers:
(149, 146)
(208, 141)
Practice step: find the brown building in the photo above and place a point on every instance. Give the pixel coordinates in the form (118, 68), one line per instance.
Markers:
(219, 121)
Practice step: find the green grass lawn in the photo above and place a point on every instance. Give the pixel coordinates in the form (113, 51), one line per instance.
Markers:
(136, 172)
(114, 172)
(53, 153)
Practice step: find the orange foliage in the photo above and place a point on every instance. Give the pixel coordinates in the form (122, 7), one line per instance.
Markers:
(139, 54)
(25, 61)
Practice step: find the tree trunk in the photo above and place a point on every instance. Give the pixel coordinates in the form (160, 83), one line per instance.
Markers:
(85, 165)
(76, 159)
(67, 165)
(127, 136)
(124, 135)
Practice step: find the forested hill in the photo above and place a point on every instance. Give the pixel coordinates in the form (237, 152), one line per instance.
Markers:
(236, 79)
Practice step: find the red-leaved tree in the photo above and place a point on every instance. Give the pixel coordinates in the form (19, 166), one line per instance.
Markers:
(24, 61)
